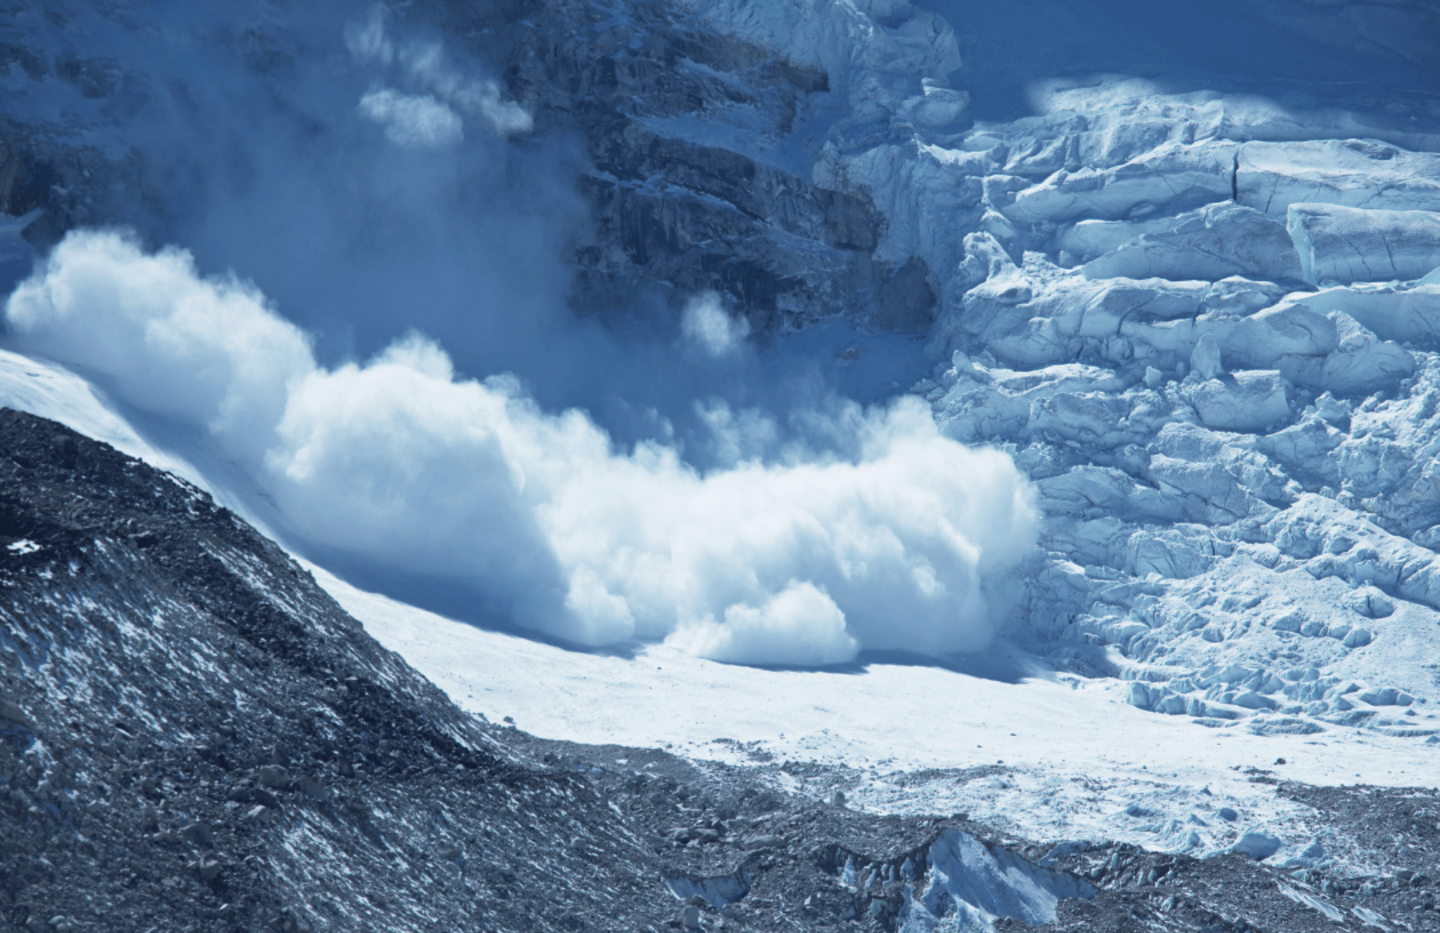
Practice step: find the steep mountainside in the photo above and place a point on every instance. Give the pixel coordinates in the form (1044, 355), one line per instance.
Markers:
(195, 737)
(1180, 264)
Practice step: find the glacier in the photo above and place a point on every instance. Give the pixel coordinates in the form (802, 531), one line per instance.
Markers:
(1200, 322)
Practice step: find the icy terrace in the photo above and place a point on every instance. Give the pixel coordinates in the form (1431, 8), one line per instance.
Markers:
(1205, 327)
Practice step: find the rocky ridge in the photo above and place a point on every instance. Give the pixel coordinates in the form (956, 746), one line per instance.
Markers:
(195, 732)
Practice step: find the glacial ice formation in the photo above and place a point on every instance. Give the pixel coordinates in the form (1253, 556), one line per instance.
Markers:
(972, 883)
(1205, 327)
(1347, 244)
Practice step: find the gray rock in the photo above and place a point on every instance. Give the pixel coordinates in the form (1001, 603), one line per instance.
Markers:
(198, 833)
(314, 788)
(9, 712)
(1257, 844)
(272, 776)
(207, 868)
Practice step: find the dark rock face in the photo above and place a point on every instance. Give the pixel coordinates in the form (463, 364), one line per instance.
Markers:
(670, 216)
(58, 186)
(193, 730)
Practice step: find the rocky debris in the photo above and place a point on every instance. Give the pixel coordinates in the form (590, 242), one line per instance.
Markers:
(1142, 890)
(821, 866)
(188, 697)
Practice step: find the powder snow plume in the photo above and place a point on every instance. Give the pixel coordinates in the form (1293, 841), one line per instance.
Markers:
(803, 561)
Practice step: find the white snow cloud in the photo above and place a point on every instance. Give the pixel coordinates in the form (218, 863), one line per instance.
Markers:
(413, 120)
(412, 117)
(798, 626)
(709, 328)
(804, 561)
(210, 351)
(480, 98)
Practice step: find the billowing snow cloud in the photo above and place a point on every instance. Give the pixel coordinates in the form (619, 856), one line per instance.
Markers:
(413, 120)
(707, 327)
(802, 561)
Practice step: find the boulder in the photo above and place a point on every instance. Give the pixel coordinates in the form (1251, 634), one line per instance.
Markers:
(1343, 245)
(1212, 243)
(1257, 844)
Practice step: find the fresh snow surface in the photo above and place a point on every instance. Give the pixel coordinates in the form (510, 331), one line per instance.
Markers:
(1050, 756)
(52, 391)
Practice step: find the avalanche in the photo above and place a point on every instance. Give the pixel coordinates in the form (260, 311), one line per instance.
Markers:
(1190, 300)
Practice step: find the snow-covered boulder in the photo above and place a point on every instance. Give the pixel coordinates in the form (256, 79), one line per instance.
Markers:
(1214, 242)
(1350, 172)
(1257, 844)
(1361, 362)
(1088, 239)
(1347, 244)
(1244, 401)
(1174, 175)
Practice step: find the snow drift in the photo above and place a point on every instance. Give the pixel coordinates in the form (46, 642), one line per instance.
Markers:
(801, 560)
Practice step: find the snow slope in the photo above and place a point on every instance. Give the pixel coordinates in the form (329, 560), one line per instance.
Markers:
(1049, 757)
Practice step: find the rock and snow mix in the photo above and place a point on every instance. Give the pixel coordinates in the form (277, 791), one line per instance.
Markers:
(1202, 326)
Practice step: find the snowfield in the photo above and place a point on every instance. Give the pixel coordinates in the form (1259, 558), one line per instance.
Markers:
(1047, 756)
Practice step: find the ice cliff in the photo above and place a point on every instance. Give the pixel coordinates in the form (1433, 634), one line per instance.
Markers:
(1203, 324)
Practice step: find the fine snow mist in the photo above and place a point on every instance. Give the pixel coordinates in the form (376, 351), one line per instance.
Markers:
(803, 559)
(641, 479)
(370, 175)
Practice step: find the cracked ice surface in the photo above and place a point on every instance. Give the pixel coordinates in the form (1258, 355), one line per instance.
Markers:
(1204, 323)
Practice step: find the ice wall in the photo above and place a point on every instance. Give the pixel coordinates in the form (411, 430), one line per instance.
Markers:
(1199, 309)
